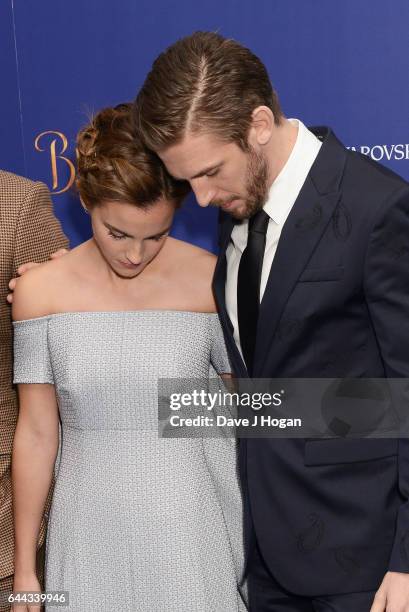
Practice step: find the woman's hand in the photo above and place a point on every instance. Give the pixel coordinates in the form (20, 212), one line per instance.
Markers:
(24, 583)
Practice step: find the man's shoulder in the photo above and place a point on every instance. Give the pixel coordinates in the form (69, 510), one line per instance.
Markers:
(363, 182)
(375, 171)
(9, 180)
(14, 188)
(371, 189)
(360, 168)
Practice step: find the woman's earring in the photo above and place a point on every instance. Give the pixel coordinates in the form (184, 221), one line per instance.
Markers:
(84, 207)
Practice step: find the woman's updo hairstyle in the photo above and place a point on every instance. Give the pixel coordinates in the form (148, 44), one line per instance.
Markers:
(114, 165)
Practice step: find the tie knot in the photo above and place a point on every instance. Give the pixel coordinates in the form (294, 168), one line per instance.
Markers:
(259, 222)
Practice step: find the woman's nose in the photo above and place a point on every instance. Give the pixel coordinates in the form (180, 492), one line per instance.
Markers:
(135, 255)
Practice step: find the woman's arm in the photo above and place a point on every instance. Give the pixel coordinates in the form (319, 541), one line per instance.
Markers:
(34, 453)
(37, 433)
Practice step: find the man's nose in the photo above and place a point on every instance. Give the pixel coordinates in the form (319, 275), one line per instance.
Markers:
(204, 194)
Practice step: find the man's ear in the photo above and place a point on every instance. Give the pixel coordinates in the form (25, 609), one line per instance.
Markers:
(262, 125)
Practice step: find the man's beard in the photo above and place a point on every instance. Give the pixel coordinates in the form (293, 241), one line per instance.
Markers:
(256, 186)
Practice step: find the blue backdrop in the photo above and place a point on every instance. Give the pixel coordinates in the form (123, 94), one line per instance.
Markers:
(343, 64)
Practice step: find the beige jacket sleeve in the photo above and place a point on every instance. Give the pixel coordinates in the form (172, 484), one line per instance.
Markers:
(38, 231)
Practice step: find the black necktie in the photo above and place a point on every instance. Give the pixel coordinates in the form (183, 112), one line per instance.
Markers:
(248, 285)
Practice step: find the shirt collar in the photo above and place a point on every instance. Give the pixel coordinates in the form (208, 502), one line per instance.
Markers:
(287, 185)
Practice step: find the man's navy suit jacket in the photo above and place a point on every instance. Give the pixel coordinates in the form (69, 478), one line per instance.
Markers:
(331, 515)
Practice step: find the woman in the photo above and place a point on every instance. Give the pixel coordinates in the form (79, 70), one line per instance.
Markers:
(136, 521)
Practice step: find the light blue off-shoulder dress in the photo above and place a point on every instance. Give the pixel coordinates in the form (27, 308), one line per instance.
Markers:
(138, 523)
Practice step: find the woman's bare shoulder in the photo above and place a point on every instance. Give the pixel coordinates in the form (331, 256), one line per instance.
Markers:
(191, 255)
(41, 290)
(194, 268)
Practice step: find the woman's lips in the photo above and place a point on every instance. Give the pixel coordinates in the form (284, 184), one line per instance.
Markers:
(131, 266)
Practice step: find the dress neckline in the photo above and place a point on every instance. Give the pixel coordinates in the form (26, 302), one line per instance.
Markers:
(117, 312)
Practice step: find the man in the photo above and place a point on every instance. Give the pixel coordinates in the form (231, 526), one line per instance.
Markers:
(311, 282)
(28, 232)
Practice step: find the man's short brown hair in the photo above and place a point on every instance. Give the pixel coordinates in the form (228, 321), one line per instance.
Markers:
(203, 83)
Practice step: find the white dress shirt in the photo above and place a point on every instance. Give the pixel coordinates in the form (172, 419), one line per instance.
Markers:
(282, 195)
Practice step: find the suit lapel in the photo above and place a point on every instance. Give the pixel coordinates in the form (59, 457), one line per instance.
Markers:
(302, 230)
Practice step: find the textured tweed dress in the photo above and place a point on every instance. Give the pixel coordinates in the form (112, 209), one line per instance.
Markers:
(137, 523)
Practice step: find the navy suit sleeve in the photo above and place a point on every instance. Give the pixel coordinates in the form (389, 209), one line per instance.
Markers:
(386, 285)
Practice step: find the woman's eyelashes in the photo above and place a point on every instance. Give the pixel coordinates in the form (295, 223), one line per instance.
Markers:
(159, 237)
(116, 236)
(122, 236)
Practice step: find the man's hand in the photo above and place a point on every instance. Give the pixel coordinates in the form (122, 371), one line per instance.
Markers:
(27, 266)
(393, 594)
